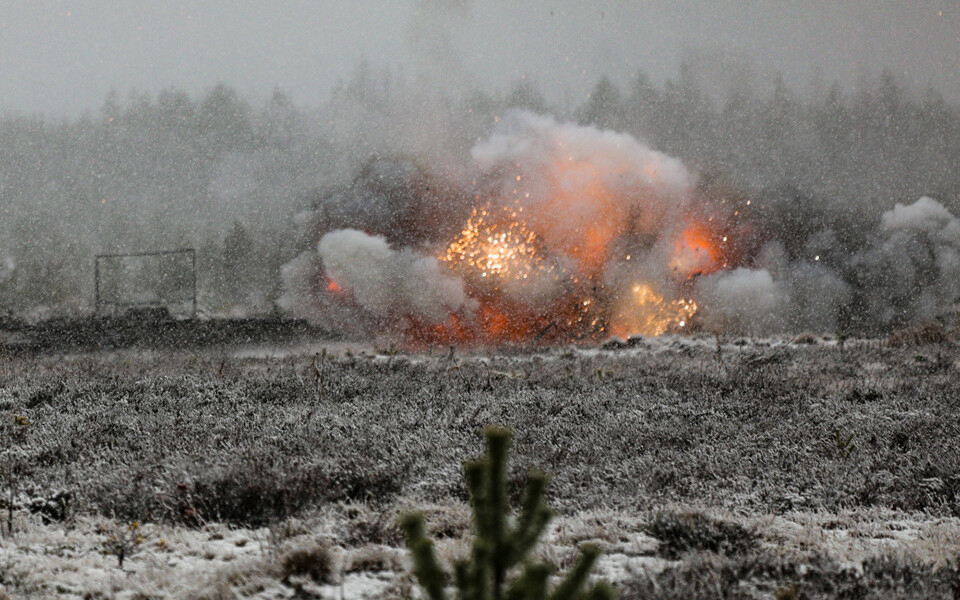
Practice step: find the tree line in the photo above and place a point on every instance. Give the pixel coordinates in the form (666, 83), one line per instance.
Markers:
(228, 175)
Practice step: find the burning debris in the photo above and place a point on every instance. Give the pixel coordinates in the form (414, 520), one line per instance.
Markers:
(560, 233)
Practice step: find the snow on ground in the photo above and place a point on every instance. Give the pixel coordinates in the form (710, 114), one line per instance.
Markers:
(635, 346)
(67, 560)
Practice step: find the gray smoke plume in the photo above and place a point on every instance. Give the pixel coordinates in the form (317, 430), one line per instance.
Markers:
(907, 270)
(912, 271)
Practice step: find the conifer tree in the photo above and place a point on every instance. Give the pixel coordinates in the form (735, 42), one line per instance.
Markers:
(500, 566)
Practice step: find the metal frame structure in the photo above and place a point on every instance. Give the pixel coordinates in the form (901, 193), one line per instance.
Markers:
(96, 276)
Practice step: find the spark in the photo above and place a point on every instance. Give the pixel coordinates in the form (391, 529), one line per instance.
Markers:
(494, 245)
(647, 312)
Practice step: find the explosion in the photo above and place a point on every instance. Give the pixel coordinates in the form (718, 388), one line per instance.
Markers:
(569, 234)
(497, 254)
(697, 252)
(647, 312)
(502, 263)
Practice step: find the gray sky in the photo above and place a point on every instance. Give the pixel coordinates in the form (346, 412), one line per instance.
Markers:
(64, 57)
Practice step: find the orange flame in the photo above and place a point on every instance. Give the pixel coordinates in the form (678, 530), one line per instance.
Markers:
(497, 250)
(581, 222)
(645, 311)
(508, 249)
(697, 251)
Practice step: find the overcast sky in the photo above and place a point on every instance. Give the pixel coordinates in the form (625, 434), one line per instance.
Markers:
(64, 57)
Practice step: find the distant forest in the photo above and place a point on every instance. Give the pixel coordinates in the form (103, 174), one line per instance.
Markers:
(228, 175)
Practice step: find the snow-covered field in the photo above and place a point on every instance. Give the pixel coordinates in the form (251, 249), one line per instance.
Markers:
(702, 467)
(217, 560)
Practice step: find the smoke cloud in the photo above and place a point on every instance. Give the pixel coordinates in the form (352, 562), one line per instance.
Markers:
(743, 300)
(7, 266)
(389, 283)
(559, 232)
(912, 271)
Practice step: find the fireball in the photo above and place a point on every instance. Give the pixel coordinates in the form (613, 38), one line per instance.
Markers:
(698, 251)
(645, 311)
(542, 254)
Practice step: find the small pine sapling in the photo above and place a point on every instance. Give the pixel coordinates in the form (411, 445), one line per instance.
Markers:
(500, 566)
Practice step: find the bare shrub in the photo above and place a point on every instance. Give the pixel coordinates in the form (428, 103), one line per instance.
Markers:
(374, 558)
(682, 532)
(814, 577)
(366, 526)
(257, 492)
(315, 562)
(918, 334)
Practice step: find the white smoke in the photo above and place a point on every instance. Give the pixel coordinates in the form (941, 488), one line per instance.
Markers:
(306, 296)
(570, 178)
(912, 272)
(742, 300)
(389, 283)
(924, 215)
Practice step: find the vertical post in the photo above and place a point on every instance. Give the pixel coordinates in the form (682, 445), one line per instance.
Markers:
(96, 283)
(193, 259)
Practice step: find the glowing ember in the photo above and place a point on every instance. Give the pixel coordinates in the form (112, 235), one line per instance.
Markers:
(494, 244)
(499, 255)
(646, 312)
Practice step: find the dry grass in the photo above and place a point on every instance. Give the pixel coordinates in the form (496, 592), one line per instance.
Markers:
(171, 438)
(314, 562)
(919, 334)
(249, 453)
(690, 531)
